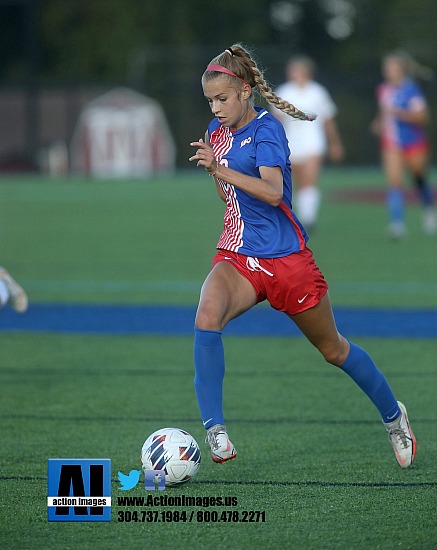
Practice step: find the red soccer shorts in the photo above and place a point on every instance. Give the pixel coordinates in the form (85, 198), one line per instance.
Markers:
(407, 151)
(415, 149)
(291, 284)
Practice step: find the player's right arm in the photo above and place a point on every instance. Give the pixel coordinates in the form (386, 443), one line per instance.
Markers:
(376, 125)
(218, 186)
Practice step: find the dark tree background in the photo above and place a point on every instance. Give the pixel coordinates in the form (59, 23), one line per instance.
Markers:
(161, 48)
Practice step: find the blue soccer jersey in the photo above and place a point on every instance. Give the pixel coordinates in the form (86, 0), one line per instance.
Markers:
(251, 226)
(407, 96)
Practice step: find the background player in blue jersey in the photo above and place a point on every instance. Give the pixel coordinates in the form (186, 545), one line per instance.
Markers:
(262, 252)
(400, 124)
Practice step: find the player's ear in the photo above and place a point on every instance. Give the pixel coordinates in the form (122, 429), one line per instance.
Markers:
(246, 92)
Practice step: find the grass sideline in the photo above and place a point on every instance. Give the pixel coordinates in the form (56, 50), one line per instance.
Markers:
(312, 451)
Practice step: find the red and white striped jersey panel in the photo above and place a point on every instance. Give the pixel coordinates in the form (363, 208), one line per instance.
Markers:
(232, 237)
(221, 141)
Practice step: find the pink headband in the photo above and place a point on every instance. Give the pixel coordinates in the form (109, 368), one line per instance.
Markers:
(220, 69)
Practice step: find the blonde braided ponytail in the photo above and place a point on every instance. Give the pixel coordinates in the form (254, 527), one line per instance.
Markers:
(238, 60)
(267, 92)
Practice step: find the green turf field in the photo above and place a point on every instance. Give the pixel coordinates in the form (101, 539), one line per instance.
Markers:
(312, 452)
(152, 242)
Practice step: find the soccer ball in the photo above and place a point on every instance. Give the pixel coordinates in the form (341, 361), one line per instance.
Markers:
(173, 450)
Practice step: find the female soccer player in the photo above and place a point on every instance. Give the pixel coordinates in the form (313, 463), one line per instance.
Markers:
(262, 252)
(309, 143)
(403, 114)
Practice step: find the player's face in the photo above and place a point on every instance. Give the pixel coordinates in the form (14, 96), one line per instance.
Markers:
(393, 70)
(299, 73)
(228, 103)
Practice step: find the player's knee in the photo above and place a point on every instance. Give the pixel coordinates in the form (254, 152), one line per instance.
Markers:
(207, 318)
(335, 355)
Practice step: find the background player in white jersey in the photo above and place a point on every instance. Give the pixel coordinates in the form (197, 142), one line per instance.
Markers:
(262, 251)
(309, 143)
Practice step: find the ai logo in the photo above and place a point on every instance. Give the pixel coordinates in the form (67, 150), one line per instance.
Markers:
(79, 489)
(154, 479)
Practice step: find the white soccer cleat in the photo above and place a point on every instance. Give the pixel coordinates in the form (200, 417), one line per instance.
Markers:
(397, 231)
(429, 221)
(402, 438)
(221, 447)
(17, 296)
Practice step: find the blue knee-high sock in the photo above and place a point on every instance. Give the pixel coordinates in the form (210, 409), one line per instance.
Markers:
(425, 191)
(361, 368)
(209, 364)
(396, 204)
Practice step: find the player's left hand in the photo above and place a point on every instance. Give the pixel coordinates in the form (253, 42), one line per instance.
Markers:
(204, 156)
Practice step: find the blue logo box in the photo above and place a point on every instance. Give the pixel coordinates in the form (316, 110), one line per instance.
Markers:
(154, 479)
(79, 489)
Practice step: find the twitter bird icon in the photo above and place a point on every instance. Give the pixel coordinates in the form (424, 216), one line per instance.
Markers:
(130, 481)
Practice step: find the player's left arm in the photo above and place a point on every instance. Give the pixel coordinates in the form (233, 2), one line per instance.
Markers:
(416, 113)
(267, 188)
(217, 185)
(413, 117)
(335, 145)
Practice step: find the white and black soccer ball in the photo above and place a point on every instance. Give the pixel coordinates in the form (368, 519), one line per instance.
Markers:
(173, 450)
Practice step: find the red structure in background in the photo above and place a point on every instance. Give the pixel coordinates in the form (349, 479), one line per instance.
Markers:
(122, 134)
